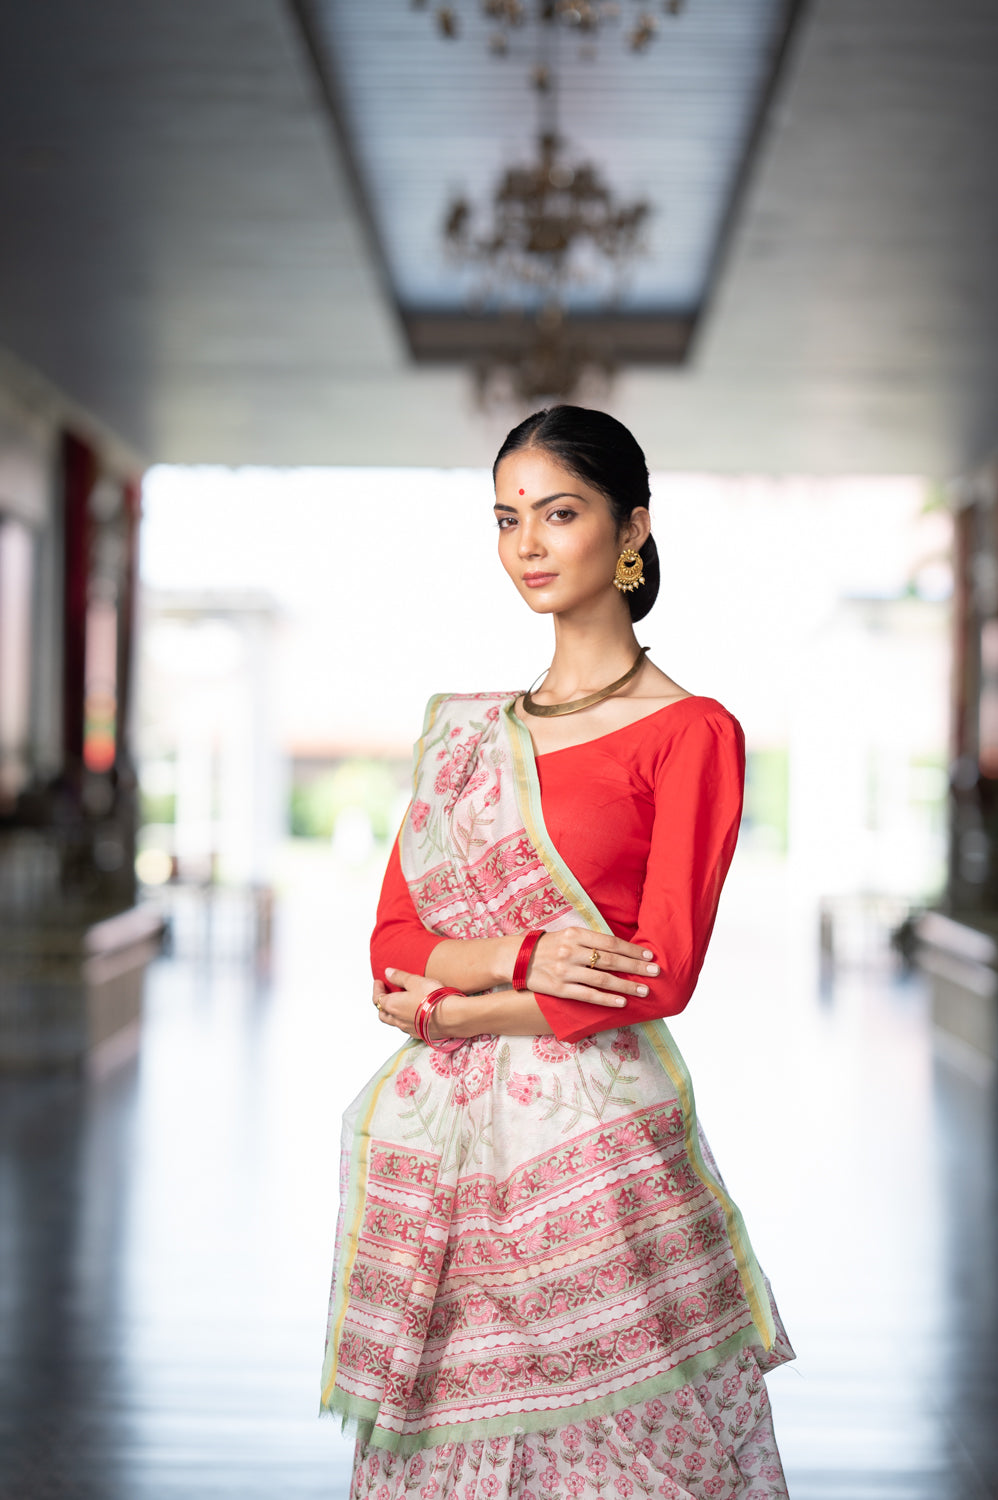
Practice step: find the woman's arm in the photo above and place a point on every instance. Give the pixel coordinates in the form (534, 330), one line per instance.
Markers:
(502, 1012)
(559, 966)
(698, 789)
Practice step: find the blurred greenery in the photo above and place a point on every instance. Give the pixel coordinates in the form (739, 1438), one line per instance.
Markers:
(767, 788)
(318, 800)
(158, 807)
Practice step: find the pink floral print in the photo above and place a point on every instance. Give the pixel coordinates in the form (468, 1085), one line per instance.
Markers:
(625, 1044)
(687, 1444)
(525, 1088)
(549, 1049)
(407, 1083)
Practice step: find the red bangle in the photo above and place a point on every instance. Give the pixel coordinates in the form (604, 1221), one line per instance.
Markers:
(523, 958)
(425, 1009)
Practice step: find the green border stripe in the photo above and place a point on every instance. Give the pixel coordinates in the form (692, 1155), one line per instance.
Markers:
(419, 749)
(355, 1211)
(363, 1412)
(753, 1283)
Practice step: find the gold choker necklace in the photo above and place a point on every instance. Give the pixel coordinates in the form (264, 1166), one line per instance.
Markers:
(550, 710)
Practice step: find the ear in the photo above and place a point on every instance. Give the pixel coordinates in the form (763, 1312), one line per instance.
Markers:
(638, 528)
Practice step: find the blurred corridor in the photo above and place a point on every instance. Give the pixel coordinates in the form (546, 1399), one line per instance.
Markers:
(167, 1232)
(276, 277)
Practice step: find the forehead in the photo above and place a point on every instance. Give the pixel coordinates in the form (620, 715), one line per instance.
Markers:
(537, 472)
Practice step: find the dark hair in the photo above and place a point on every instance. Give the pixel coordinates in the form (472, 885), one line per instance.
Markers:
(600, 450)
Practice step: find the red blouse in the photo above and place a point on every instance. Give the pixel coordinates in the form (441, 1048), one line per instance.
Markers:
(646, 818)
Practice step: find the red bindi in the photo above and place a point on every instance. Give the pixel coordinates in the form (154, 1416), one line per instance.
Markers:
(521, 492)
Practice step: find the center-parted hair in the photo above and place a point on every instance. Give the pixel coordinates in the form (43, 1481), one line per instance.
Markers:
(601, 451)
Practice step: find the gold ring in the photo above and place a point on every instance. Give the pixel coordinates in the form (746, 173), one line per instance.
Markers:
(595, 959)
(378, 1005)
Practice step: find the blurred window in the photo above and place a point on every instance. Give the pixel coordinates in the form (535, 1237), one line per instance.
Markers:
(17, 561)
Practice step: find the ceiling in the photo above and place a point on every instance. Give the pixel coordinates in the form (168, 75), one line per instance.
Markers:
(185, 255)
(427, 119)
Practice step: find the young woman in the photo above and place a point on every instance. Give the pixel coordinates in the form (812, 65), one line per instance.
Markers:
(542, 1289)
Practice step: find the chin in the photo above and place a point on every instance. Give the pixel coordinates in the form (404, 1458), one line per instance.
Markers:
(545, 606)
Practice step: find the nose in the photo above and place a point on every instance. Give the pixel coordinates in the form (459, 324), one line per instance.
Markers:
(528, 540)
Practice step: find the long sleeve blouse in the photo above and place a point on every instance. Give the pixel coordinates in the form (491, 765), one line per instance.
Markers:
(646, 817)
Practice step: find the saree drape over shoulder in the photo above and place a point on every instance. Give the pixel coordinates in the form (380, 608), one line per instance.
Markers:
(541, 1286)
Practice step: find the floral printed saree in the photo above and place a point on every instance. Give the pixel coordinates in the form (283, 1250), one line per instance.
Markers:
(541, 1288)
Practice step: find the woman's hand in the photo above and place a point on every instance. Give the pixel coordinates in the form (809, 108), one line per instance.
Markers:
(398, 1007)
(562, 965)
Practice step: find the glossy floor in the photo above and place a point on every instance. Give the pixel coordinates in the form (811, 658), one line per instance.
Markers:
(166, 1233)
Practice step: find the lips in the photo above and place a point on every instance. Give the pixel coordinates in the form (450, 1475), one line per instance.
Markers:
(538, 580)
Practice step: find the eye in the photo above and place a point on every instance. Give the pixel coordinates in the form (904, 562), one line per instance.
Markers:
(568, 514)
(504, 522)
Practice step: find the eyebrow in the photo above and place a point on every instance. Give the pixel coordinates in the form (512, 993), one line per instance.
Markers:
(561, 495)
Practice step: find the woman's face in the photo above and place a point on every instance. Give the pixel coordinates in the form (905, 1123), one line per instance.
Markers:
(557, 537)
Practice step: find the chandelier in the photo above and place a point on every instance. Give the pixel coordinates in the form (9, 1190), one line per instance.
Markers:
(549, 362)
(550, 222)
(586, 19)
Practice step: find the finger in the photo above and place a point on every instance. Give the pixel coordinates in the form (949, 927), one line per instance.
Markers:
(612, 983)
(398, 976)
(594, 997)
(634, 958)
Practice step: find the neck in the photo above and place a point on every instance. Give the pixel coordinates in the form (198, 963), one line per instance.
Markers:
(588, 653)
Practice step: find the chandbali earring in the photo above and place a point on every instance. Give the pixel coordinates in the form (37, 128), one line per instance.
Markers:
(629, 571)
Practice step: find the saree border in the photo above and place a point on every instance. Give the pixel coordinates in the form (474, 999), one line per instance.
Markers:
(363, 1412)
(661, 1039)
(419, 749)
(366, 1103)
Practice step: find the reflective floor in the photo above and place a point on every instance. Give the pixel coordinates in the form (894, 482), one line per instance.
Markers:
(166, 1233)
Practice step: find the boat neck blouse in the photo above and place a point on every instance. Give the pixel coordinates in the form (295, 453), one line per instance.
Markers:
(646, 817)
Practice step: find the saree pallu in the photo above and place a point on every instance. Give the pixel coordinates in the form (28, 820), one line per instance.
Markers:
(541, 1287)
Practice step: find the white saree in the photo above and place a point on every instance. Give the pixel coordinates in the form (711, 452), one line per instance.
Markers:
(541, 1286)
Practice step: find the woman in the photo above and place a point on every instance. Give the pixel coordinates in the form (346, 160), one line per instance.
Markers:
(542, 1289)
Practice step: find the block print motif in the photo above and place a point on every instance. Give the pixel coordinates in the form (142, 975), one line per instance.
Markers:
(711, 1440)
(530, 1234)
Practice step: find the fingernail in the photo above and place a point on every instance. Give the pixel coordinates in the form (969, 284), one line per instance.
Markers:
(653, 968)
(618, 1003)
(642, 989)
(647, 953)
(389, 973)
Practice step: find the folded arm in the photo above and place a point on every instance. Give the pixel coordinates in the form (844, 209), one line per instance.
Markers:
(560, 963)
(499, 1013)
(698, 793)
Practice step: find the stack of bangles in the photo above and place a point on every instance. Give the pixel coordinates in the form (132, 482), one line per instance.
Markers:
(429, 1003)
(523, 958)
(421, 1020)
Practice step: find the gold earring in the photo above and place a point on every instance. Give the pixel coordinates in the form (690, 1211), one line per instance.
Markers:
(629, 571)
